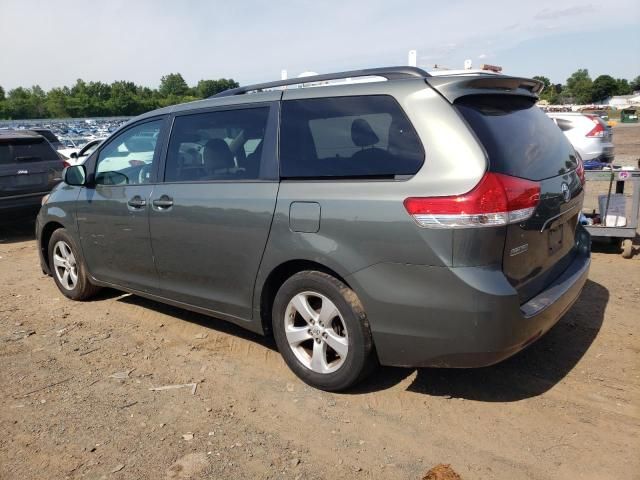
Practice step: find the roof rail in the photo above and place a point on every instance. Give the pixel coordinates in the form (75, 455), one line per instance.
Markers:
(390, 73)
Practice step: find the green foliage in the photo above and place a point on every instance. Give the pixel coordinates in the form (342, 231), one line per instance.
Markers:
(207, 88)
(121, 98)
(550, 91)
(580, 89)
(603, 87)
(98, 99)
(579, 86)
(173, 85)
(623, 87)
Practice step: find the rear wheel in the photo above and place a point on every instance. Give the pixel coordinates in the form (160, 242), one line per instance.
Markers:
(322, 331)
(67, 267)
(627, 248)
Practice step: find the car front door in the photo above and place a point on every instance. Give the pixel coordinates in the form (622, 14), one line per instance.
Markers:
(210, 218)
(113, 212)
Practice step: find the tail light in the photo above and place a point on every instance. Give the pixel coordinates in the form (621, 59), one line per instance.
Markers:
(497, 200)
(64, 159)
(598, 130)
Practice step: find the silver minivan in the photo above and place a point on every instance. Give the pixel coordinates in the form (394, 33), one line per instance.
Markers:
(408, 220)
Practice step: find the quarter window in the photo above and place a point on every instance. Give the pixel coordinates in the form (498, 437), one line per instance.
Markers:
(128, 158)
(220, 145)
(350, 137)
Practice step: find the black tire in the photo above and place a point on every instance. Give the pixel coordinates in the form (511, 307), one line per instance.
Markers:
(360, 358)
(83, 289)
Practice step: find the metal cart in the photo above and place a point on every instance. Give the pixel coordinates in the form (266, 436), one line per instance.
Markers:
(625, 234)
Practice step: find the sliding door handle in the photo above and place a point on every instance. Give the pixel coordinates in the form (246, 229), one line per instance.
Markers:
(137, 202)
(165, 201)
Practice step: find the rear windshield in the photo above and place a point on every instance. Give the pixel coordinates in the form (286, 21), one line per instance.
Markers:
(26, 151)
(48, 134)
(347, 137)
(519, 138)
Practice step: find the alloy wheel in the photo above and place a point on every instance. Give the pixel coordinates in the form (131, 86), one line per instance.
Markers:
(65, 266)
(316, 332)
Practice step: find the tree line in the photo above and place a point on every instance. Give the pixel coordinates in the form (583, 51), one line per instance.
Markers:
(580, 89)
(98, 99)
(122, 98)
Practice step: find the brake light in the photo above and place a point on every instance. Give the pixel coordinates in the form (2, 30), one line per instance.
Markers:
(65, 164)
(598, 130)
(497, 200)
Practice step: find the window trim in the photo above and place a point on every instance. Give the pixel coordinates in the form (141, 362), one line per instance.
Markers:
(268, 162)
(92, 161)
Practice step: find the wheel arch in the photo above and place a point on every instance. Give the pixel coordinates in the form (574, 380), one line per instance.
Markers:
(278, 276)
(45, 237)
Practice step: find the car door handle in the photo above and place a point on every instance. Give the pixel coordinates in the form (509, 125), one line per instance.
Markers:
(137, 202)
(164, 201)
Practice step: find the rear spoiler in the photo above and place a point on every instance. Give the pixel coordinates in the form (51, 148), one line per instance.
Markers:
(455, 86)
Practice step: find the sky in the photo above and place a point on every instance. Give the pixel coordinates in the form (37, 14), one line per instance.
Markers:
(54, 42)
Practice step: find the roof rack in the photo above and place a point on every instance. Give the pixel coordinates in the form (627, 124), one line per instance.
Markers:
(390, 73)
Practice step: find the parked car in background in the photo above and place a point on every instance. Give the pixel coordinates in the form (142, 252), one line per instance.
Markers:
(29, 169)
(418, 221)
(588, 133)
(77, 157)
(50, 136)
(600, 113)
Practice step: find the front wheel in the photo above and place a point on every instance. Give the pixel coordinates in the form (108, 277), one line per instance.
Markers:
(322, 331)
(67, 267)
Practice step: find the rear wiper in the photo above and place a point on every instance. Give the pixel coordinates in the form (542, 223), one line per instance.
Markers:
(28, 158)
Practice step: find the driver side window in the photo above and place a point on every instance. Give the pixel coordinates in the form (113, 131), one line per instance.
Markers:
(128, 158)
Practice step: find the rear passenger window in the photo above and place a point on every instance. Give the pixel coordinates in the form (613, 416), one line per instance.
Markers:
(347, 137)
(222, 145)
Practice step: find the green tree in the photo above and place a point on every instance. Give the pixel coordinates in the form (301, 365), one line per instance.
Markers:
(580, 86)
(38, 102)
(635, 84)
(623, 87)
(173, 85)
(549, 92)
(207, 88)
(604, 87)
(2, 102)
(57, 102)
(124, 99)
(18, 103)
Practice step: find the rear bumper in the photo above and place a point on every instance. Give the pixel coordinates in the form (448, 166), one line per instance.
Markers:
(598, 152)
(458, 317)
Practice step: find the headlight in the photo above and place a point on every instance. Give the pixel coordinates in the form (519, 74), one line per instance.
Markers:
(45, 199)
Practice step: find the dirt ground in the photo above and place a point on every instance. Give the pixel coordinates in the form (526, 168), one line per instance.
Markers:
(75, 382)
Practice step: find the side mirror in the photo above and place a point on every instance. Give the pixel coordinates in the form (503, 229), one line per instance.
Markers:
(74, 155)
(75, 175)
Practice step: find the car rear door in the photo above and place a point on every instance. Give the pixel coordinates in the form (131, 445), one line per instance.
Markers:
(521, 141)
(29, 167)
(210, 218)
